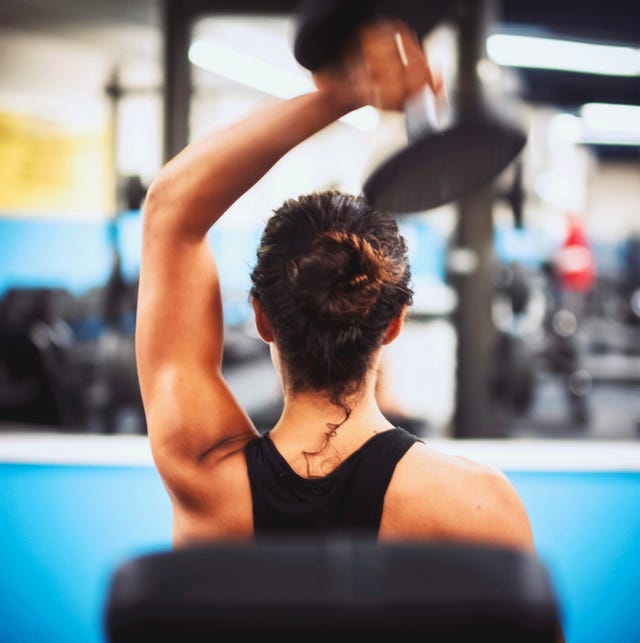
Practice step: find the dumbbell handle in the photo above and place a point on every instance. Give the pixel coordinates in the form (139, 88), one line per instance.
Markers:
(420, 114)
(424, 112)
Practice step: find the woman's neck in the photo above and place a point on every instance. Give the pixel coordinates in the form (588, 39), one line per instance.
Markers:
(314, 435)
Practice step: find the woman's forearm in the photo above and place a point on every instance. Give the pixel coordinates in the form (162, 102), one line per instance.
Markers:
(198, 185)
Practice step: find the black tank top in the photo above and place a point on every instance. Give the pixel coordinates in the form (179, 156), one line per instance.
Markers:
(349, 499)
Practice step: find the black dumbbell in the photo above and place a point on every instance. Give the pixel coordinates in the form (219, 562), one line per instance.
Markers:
(440, 164)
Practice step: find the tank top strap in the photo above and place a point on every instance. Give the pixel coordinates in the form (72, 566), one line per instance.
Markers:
(373, 475)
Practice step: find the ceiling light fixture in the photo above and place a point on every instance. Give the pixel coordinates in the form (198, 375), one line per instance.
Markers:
(265, 77)
(599, 124)
(513, 50)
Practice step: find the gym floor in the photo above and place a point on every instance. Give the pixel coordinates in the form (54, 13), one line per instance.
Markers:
(613, 413)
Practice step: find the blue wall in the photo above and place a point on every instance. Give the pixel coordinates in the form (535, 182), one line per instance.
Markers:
(64, 528)
(77, 255)
(587, 529)
(52, 254)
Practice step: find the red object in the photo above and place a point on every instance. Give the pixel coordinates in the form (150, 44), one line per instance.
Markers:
(575, 264)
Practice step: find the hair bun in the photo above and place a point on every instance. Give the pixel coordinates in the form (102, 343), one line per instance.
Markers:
(339, 278)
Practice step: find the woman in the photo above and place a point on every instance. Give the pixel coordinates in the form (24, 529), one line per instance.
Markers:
(330, 288)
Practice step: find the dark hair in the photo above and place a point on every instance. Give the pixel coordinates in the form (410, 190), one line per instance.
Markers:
(331, 274)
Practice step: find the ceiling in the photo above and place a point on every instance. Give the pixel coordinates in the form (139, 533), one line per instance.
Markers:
(132, 28)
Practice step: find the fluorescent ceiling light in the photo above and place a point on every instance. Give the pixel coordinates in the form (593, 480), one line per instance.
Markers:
(599, 124)
(548, 53)
(247, 70)
(609, 123)
(265, 77)
(610, 116)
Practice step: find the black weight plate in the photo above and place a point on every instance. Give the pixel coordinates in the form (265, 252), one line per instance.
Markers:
(443, 166)
(324, 25)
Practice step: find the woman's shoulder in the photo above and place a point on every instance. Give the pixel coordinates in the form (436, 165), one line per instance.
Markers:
(439, 495)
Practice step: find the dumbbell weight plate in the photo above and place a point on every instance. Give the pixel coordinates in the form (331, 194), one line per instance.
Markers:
(443, 166)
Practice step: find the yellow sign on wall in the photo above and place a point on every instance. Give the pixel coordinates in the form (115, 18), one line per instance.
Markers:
(54, 168)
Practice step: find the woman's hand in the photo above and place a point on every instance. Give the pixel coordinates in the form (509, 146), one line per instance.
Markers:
(382, 65)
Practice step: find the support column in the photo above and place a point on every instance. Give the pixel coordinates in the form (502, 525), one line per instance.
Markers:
(472, 278)
(176, 32)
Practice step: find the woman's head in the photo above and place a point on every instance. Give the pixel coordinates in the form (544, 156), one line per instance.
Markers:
(331, 274)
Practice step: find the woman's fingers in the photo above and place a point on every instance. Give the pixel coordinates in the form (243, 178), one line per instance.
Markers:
(418, 72)
(383, 65)
(395, 63)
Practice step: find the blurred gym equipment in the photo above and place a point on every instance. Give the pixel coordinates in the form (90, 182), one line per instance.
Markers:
(338, 585)
(512, 378)
(67, 361)
(40, 374)
(442, 162)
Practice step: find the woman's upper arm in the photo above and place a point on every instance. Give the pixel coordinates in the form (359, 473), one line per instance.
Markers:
(179, 313)
(179, 343)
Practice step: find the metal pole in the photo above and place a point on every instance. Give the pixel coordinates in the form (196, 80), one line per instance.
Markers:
(473, 416)
(176, 32)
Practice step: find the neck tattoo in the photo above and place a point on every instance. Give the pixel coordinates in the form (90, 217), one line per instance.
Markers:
(328, 451)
